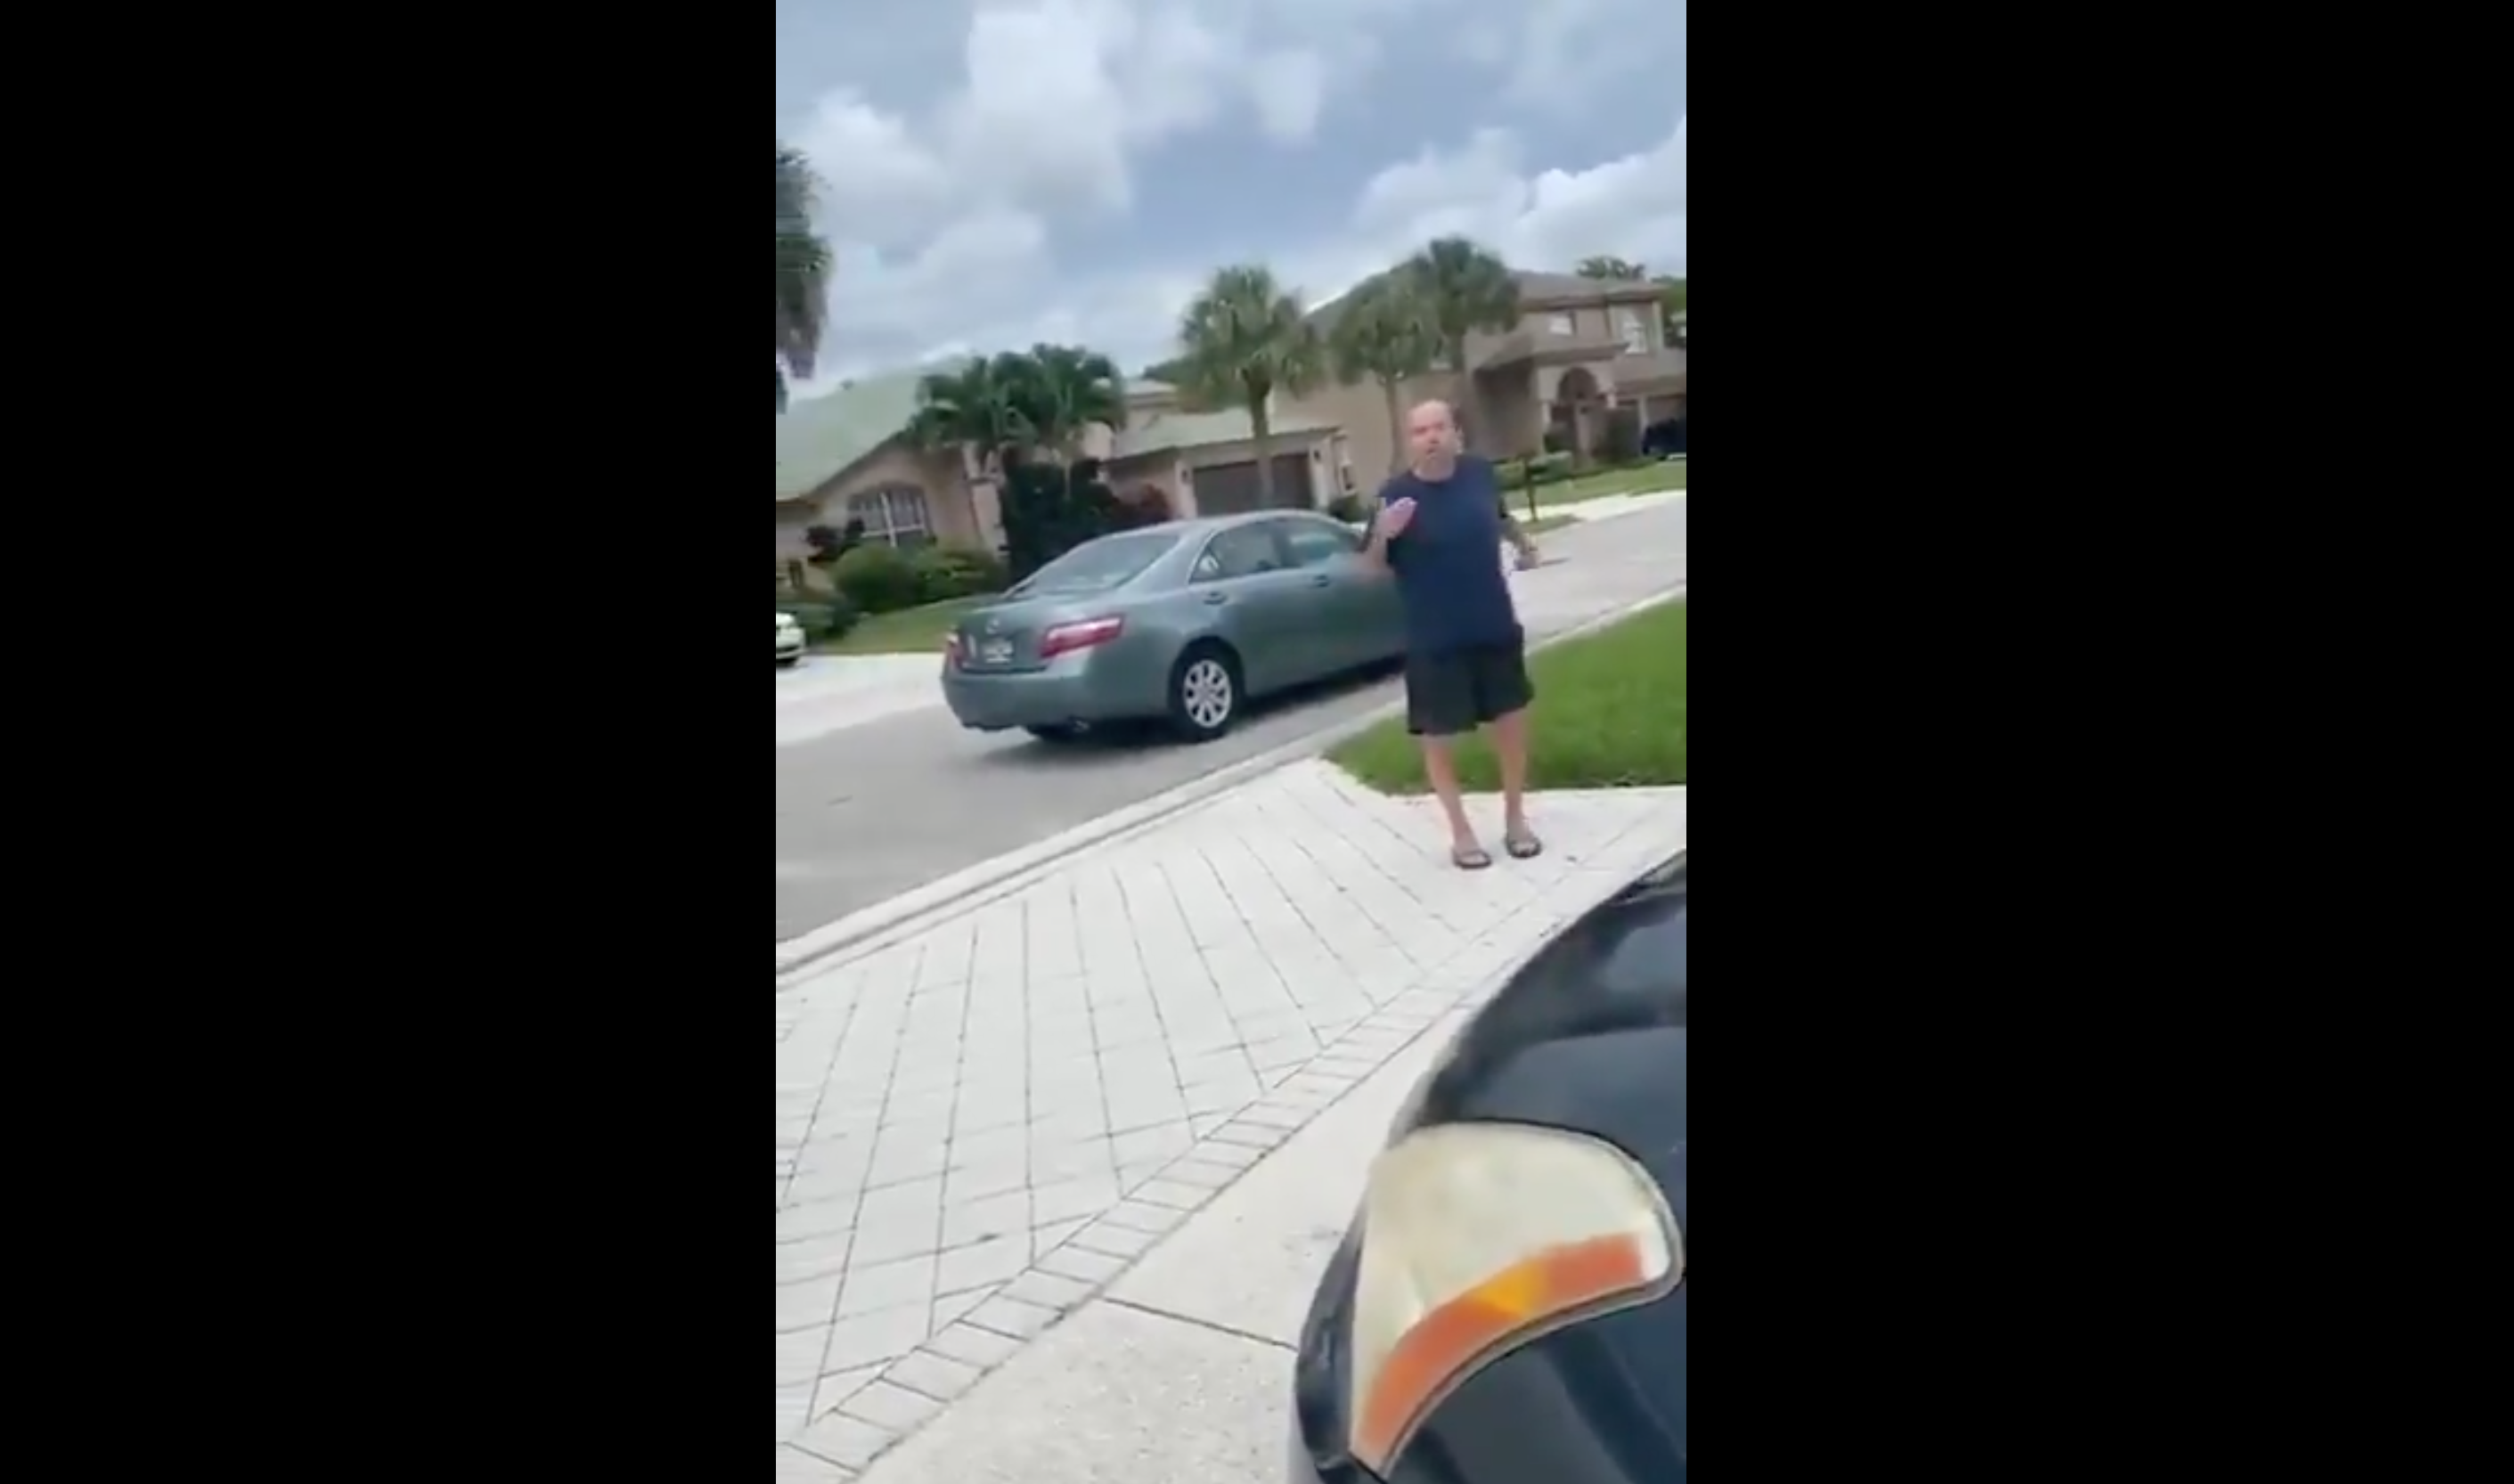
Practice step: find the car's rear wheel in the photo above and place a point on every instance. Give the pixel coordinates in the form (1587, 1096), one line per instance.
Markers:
(1204, 692)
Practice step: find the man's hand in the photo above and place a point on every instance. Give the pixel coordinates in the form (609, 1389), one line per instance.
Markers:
(1393, 517)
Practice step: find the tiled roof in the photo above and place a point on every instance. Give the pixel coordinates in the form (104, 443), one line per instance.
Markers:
(1668, 362)
(1519, 345)
(1537, 289)
(818, 439)
(1152, 432)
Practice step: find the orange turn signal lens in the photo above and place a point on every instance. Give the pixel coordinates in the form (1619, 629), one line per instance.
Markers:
(1445, 1345)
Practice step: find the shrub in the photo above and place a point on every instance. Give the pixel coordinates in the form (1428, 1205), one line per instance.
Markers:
(830, 542)
(956, 571)
(823, 618)
(1542, 469)
(876, 578)
(1622, 443)
(1350, 509)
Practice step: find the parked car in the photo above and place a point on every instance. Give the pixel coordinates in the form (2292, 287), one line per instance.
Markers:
(1509, 1303)
(1185, 622)
(790, 640)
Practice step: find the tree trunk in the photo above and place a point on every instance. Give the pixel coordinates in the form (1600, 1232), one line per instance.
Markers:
(1396, 428)
(1461, 388)
(1261, 436)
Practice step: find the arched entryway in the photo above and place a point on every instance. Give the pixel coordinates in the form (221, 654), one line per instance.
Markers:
(1577, 411)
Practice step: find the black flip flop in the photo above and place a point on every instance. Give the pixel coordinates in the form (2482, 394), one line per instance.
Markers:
(1473, 858)
(1523, 846)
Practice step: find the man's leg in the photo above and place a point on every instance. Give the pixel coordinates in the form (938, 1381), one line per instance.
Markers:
(1440, 766)
(1510, 750)
(1503, 693)
(1440, 707)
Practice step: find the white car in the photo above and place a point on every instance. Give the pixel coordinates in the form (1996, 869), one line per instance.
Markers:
(790, 641)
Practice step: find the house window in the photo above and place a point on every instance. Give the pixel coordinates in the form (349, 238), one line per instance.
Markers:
(894, 515)
(1558, 324)
(1632, 332)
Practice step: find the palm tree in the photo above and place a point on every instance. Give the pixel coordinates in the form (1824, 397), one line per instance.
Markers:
(1069, 388)
(1466, 288)
(1385, 335)
(982, 408)
(803, 271)
(1063, 391)
(1616, 269)
(1244, 340)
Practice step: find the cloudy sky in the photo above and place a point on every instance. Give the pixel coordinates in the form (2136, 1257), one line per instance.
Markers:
(1002, 172)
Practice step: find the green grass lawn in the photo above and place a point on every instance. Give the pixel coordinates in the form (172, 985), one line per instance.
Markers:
(1631, 481)
(1609, 713)
(908, 631)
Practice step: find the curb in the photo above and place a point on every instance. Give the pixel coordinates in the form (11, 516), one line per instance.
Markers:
(879, 926)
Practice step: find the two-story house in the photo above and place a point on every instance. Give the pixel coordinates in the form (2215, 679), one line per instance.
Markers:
(1584, 350)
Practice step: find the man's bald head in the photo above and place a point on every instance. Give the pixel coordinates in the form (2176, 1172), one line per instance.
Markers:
(1432, 439)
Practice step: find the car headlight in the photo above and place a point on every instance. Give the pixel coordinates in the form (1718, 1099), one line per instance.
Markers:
(1479, 1237)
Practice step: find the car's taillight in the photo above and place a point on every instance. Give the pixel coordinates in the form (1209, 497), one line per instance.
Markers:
(952, 651)
(1065, 637)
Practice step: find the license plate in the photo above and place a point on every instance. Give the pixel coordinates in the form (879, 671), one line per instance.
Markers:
(994, 651)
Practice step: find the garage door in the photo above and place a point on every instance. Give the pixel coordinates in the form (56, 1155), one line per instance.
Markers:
(1231, 489)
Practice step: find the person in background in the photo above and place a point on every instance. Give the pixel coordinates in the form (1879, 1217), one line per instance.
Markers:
(1466, 654)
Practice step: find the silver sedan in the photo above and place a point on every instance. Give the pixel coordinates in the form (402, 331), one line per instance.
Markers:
(1184, 621)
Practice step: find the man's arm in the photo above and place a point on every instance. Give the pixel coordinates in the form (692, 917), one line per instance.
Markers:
(1374, 543)
(1388, 521)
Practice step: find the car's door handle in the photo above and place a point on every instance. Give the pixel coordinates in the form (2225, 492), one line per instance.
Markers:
(1321, 580)
(1216, 597)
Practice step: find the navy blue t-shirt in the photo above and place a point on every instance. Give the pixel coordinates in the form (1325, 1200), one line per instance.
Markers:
(1448, 563)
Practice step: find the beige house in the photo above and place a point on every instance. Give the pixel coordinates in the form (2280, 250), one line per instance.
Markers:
(1586, 352)
(844, 456)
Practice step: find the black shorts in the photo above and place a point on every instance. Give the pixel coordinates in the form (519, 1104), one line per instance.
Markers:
(1459, 690)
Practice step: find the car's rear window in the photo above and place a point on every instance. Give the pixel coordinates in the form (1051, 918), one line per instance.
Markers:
(1111, 561)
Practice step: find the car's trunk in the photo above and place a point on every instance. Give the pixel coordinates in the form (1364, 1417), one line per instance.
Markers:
(1002, 638)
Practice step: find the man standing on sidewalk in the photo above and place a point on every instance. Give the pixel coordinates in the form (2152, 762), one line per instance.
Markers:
(1438, 528)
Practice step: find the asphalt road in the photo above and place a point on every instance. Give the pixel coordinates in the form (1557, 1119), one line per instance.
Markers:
(878, 808)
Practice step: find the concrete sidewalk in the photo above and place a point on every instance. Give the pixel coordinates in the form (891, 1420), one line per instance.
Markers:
(981, 1125)
(1181, 1370)
(831, 693)
(1610, 506)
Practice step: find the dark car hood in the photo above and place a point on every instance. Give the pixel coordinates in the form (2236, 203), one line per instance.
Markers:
(1588, 1036)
